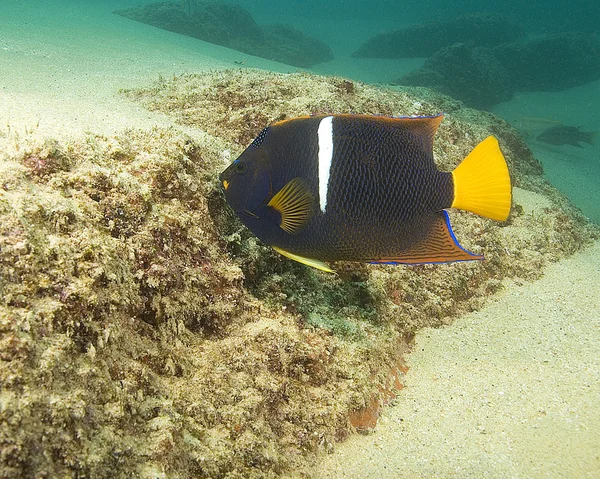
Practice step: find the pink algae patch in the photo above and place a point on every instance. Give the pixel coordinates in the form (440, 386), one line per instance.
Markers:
(365, 419)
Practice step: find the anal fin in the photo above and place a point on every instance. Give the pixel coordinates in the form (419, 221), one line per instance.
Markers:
(440, 246)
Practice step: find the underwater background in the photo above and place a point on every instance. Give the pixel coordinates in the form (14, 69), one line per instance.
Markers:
(145, 332)
(344, 26)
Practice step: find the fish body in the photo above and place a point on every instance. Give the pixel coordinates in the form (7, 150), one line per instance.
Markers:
(566, 135)
(361, 188)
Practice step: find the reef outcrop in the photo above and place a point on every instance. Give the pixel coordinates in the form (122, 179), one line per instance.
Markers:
(232, 26)
(482, 77)
(551, 63)
(144, 332)
(426, 39)
(472, 75)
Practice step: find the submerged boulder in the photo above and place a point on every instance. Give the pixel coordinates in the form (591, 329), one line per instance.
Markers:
(472, 75)
(224, 24)
(482, 77)
(232, 26)
(286, 44)
(551, 63)
(424, 40)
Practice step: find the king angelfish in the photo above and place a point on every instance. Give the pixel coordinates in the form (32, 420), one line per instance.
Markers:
(362, 188)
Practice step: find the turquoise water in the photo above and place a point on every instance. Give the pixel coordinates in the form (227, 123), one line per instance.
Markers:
(345, 26)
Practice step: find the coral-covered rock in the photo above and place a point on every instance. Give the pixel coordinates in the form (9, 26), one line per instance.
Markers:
(424, 40)
(472, 75)
(232, 26)
(145, 333)
(551, 63)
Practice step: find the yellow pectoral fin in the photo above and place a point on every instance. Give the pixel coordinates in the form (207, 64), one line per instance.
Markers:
(315, 263)
(482, 182)
(294, 203)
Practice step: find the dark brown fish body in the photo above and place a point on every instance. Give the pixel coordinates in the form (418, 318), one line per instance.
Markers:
(361, 188)
(384, 195)
(566, 135)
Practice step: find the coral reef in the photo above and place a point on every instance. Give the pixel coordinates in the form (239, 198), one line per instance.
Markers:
(424, 40)
(482, 77)
(232, 26)
(553, 62)
(146, 333)
(472, 75)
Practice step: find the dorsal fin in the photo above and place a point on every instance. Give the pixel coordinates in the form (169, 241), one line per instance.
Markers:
(423, 127)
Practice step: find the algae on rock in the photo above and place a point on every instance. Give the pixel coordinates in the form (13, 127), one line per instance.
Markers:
(145, 332)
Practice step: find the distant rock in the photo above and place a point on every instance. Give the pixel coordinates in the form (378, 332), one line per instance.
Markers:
(482, 77)
(289, 45)
(223, 24)
(472, 75)
(424, 40)
(552, 63)
(232, 26)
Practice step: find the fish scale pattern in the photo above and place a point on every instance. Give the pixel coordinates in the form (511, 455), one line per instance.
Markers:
(384, 193)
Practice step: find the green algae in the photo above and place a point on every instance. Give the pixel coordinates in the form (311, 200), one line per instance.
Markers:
(145, 332)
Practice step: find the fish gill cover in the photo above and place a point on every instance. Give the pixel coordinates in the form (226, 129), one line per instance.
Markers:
(145, 332)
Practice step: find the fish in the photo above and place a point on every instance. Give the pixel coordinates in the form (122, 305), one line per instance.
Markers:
(362, 188)
(566, 135)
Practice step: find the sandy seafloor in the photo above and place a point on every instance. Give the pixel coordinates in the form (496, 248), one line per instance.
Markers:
(509, 391)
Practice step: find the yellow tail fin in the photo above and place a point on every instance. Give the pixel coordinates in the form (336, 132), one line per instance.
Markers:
(482, 182)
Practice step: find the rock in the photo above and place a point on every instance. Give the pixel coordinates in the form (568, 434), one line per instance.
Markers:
(482, 77)
(232, 26)
(145, 333)
(472, 75)
(224, 24)
(552, 63)
(424, 40)
(288, 45)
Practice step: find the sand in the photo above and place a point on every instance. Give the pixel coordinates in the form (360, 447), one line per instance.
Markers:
(509, 391)
(64, 62)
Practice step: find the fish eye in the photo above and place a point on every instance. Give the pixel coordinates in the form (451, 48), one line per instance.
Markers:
(241, 167)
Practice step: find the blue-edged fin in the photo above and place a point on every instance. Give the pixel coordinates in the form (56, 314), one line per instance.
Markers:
(294, 203)
(482, 182)
(440, 246)
(315, 263)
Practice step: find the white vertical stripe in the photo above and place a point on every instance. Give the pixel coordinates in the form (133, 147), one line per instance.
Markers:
(325, 134)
